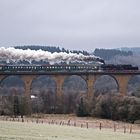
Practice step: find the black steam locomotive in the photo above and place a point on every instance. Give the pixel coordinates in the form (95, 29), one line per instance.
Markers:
(112, 67)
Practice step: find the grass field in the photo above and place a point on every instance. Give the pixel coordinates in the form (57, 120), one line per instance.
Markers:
(33, 131)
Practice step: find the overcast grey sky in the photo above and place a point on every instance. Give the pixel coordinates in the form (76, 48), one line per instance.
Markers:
(72, 24)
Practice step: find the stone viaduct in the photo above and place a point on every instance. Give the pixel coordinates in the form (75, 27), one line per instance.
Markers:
(121, 78)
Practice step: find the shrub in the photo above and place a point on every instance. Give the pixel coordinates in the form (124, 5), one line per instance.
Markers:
(116, 107)
(82, 109)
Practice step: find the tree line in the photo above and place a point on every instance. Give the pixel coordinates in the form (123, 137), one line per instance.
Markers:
(51, 49)
(108, 106)
(108, 54)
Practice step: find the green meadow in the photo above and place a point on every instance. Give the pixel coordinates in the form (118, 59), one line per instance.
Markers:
(33, 131)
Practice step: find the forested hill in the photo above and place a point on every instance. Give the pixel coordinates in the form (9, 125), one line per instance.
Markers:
(51, 49)
(108, 54)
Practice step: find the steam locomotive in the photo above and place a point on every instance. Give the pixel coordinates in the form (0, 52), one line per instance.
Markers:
(112, 67)
(67, 68)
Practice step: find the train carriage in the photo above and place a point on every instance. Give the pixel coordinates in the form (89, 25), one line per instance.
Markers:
(67, 67)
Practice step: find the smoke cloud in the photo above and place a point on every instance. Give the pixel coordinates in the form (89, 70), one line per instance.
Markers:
(15, 55)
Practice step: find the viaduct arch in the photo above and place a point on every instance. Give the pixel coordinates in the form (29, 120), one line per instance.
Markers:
(104, 80)
(75, 84)
(39, 82)
(10, 85)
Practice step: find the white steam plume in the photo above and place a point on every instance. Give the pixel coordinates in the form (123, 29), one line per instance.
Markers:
(15, 55)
